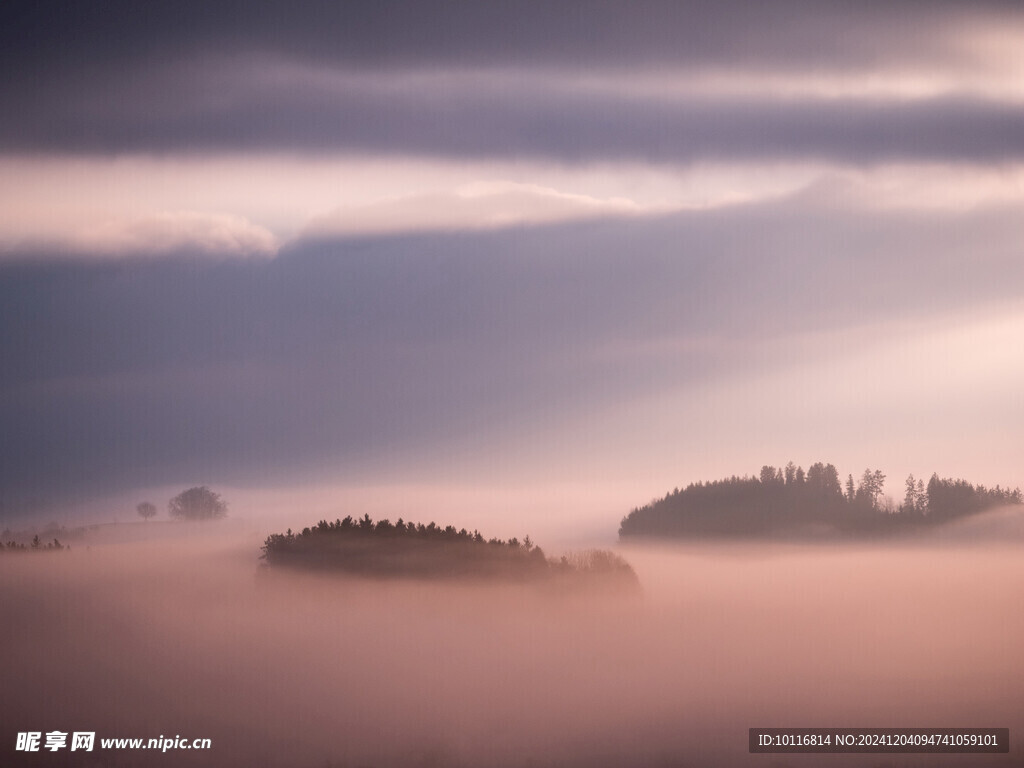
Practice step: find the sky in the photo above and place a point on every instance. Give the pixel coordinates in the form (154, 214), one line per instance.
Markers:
(508, 262)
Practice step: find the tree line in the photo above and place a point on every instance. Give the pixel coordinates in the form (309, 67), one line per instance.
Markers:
(407, 549)
(366, 529)
(780, 498)
(37, 545)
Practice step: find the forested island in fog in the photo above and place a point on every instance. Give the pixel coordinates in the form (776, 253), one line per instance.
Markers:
(414, 550)
(787, 500)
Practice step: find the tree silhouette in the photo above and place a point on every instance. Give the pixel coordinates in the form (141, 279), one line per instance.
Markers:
(910, 498)
(199, 503)
(146, 510)
(37, 546)
(410, 550)
(870, 488)
(790, 500)
(790, 473)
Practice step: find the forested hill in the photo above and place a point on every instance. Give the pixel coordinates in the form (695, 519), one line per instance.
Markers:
(414, 550)
(781, 500)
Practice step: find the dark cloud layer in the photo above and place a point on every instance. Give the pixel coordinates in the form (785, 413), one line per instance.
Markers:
(338, 353)
(501, 117)
(118, 77)
(48, 34)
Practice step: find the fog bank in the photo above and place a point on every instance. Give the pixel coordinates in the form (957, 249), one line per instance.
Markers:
(189, 637)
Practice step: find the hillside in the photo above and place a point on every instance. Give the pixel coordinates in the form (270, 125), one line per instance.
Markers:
(790, 500)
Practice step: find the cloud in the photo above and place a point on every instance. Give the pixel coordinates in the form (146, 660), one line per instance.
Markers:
(61, 200)
(159, 234)
(206, 233)
(659, 82)
(263, 107)
(796, 33)
(478, 205)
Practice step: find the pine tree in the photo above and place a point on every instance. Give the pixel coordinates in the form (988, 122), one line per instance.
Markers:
(910, 499)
